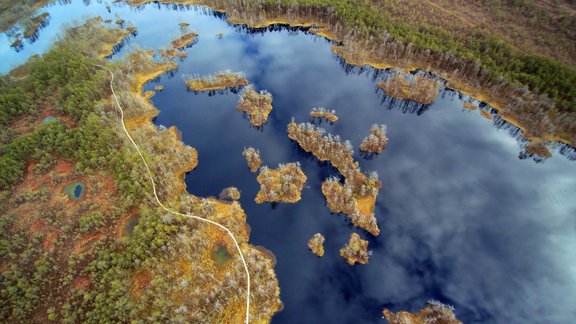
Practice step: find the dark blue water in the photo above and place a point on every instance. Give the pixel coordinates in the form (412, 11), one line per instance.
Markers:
(78, 190)
(465, 217)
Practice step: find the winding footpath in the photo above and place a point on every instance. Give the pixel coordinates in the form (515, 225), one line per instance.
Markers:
(175, 212)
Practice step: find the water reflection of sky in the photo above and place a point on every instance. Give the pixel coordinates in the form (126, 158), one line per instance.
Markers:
(463, 219)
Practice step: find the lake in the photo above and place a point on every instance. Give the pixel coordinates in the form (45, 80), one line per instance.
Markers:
(466, 218)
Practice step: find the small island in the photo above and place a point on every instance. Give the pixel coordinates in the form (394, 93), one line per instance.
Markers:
(159, 88)
(341, 199)
(253, 158)
(357, 196)
(149, 94)
(486, 114)
(376, 141)
(184, 40)
(170, 53)
(322, 112)
(281, 185)
(257, 105)
(231, 193)
(537, 148)
(356, 251)
(470, 106)
(421, 89)
(35, 24)
(217, 81)
(434, 312)
(316, 244)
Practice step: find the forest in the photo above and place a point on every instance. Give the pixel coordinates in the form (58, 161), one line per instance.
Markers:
(84, 262)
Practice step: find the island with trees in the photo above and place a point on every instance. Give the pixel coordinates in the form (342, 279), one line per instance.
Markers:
(283, 184)
(316, 244)
(257, 105)
(356, 250)
(321, 112)
(253, 158)
(357, 196)
(217, 81)
(434, 312)
(376, 140)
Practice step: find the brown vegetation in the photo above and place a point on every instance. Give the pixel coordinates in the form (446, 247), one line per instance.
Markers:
(341, 199)
(253, 158)
(356, 251)
(149, 94)
(281, 185)
(230, 193)
(434, 312)
(184, 40)
(217, 81)
(257, 105)
(486, 114)
(376, 141)
(322, 112)
(171, 53)
(538, 148)
(420, 89)
(316, 244)
(470, 106)
(357, 196)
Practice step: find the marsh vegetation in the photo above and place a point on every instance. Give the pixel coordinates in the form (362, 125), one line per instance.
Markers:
(321, 112)
(253, 158)
(231, 193)
(283, 184)
(357, 196)
(434, 312)
(217, 81)
(184, 40)
(316, 244)
(376, 140)
(420, 89)
(356, 250)
(257, 105)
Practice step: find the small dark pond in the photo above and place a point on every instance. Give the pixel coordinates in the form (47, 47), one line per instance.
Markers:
(465, 217)
(75, 190)
(130, 225)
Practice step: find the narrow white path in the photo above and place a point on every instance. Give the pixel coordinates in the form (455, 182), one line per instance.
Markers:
(175, 212)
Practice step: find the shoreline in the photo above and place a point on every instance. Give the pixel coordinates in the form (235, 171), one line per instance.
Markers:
(320, 29)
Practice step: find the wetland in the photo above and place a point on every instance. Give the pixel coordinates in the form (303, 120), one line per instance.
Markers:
(457, 208)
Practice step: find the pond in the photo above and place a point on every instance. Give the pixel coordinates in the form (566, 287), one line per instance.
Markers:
(75, 190)
(47, 120)
(130, 225)
(466, 218)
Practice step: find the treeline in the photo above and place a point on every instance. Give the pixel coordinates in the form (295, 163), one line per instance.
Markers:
(367, 24)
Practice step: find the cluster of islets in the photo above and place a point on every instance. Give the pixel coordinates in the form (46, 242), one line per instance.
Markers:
(355, 197)
(354, 194)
